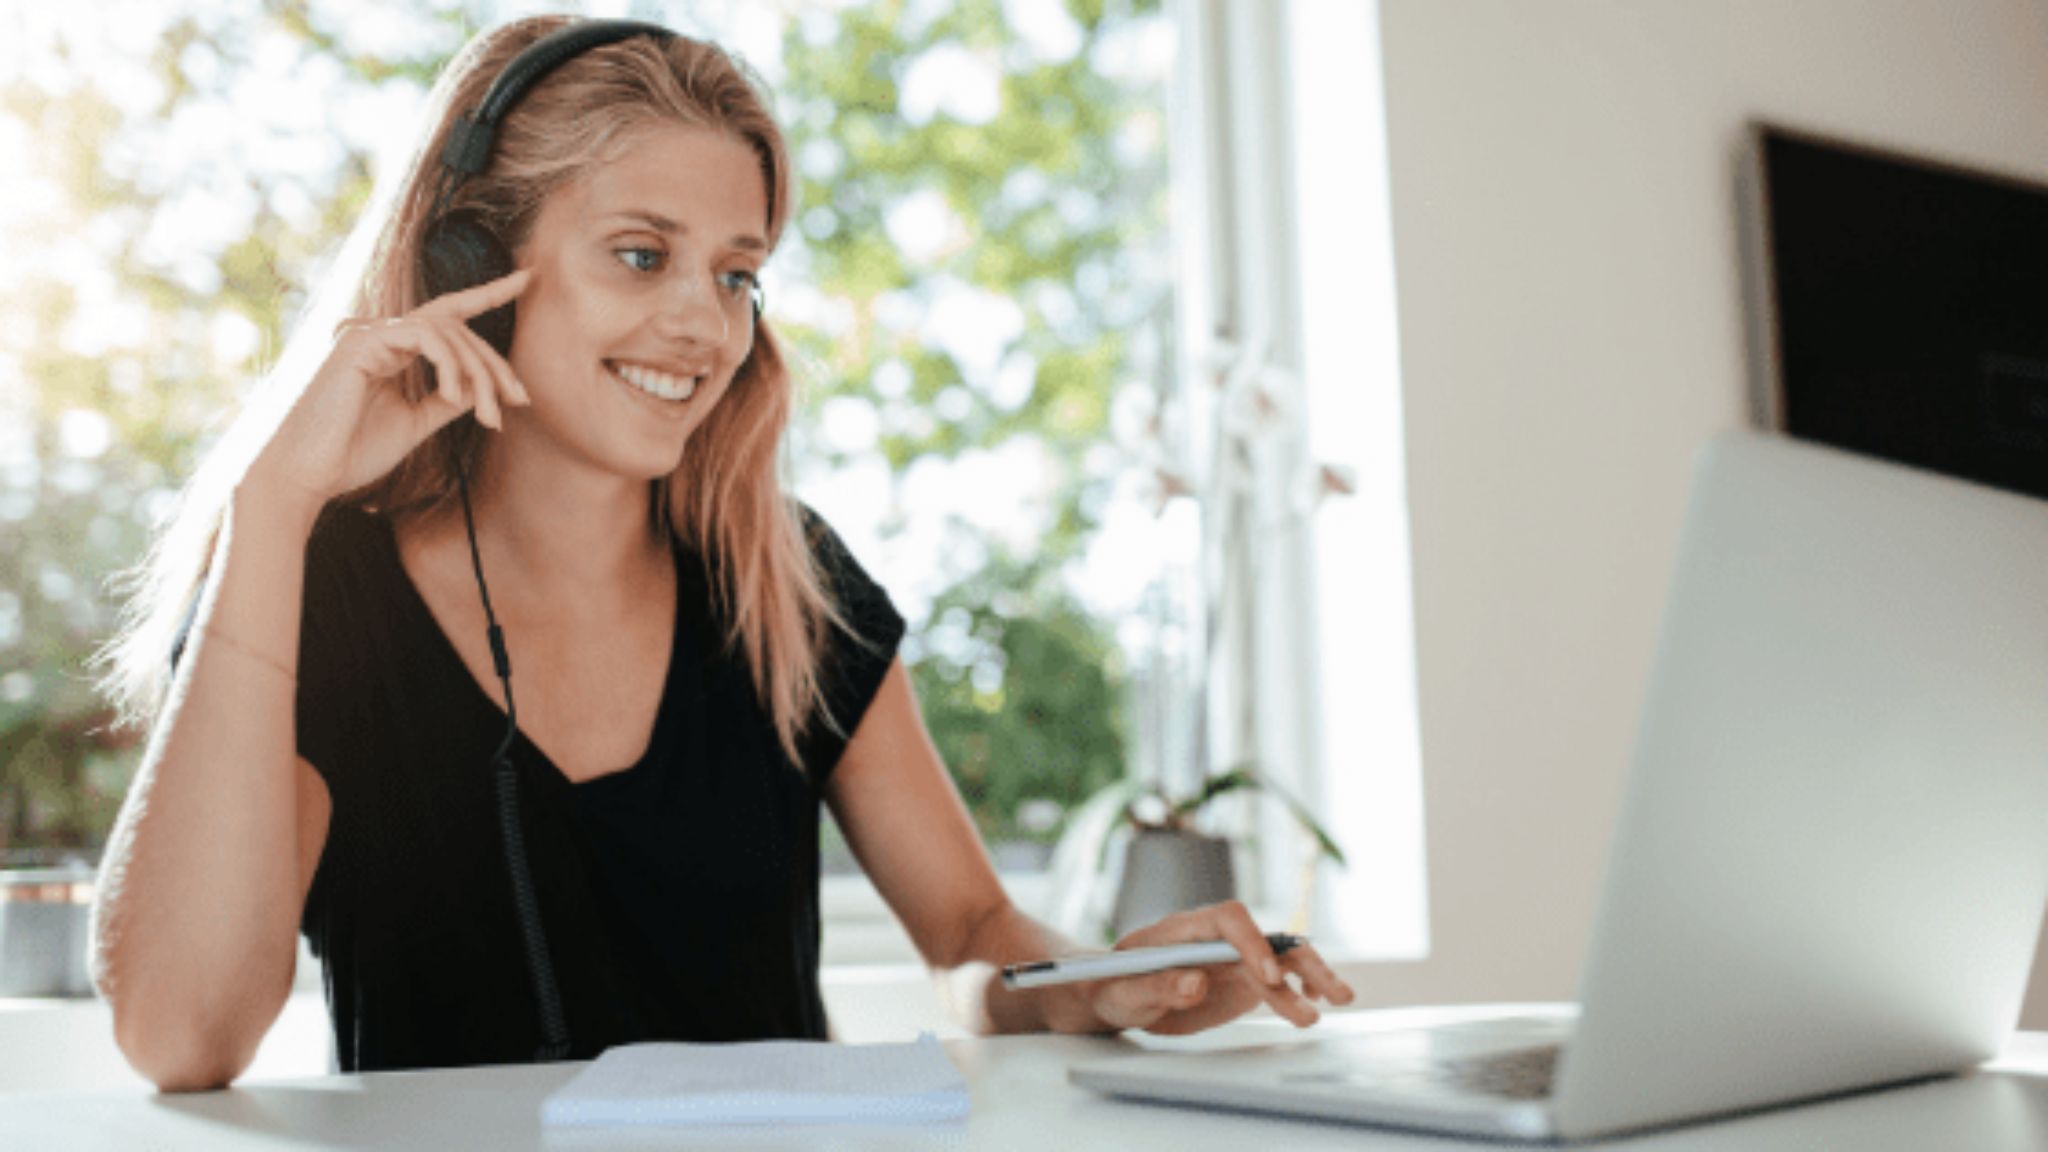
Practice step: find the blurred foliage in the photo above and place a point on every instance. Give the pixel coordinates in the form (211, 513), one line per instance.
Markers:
(1022, 688)
(1044, 725)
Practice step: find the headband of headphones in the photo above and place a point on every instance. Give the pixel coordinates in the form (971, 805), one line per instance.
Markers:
(469, 143)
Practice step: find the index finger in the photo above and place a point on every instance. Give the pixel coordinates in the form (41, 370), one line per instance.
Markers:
(483, 297)
(1233, 921)
(1317, 975)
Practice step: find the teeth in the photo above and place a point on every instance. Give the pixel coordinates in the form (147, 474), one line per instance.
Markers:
(655, 383)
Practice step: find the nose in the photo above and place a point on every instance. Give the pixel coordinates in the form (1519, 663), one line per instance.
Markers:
(694, 313)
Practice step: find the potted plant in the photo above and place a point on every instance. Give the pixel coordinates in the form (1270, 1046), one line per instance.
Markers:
(44, 920)
(63, 744)
(1147, 843)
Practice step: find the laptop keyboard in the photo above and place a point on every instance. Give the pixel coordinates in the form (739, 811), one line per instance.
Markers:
(1522, 1074)
(1413, 1060)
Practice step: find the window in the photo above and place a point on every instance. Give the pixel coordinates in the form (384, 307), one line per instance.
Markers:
(1291, 374)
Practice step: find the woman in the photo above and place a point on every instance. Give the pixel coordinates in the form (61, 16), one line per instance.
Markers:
(701, 662)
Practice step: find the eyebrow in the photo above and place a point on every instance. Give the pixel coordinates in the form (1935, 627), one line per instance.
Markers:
(663, 224)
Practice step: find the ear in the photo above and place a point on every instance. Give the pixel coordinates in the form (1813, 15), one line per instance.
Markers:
(460, 251)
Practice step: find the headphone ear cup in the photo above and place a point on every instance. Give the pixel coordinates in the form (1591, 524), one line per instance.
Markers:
(461, 252)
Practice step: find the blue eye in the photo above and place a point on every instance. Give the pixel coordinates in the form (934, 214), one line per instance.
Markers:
(739, 284)
(629, 251)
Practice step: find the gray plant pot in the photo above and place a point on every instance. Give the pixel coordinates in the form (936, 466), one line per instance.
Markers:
(44, 932)
(1166, 872)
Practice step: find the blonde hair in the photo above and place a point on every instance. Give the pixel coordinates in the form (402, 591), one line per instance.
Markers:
(725, 497)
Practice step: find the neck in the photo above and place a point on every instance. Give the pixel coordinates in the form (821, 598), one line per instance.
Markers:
(570, 533)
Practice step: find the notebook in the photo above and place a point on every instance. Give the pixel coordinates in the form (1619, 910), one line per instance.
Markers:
(761, 1082)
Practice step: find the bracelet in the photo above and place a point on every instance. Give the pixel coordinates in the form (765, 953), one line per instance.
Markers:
(245, 650)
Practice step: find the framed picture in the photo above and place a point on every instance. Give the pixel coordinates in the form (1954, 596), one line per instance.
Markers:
(1898, 306)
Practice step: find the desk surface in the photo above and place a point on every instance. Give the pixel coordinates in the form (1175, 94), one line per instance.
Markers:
(1021, 1100)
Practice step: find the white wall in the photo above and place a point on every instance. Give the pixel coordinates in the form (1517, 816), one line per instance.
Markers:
(1570, 319)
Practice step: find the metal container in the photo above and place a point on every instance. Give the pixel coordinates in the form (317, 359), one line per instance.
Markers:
(1167, 871)
(44, 931)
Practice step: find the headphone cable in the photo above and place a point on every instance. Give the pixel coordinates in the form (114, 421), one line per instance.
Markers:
(554, 1029)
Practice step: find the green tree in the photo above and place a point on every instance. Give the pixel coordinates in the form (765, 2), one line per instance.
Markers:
(1019, 685)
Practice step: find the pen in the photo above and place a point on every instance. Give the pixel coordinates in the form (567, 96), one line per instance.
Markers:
(1133, 962)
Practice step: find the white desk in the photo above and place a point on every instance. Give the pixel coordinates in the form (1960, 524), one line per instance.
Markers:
(1021, 1100)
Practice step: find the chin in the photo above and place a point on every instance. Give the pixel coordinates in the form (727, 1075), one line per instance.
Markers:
(653, 464)
(652, 434)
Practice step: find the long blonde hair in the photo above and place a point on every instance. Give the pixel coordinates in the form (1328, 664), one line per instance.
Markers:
(725, 498)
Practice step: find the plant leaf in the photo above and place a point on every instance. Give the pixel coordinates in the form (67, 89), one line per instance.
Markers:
(1246, 775)
(1214, 786)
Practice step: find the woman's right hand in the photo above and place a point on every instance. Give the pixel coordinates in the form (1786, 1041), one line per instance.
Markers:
(352, 424)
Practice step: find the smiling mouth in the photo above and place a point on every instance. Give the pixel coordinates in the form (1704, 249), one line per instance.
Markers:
(659, 385)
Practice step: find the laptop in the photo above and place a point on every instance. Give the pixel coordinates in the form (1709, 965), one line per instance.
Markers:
(1831, 857)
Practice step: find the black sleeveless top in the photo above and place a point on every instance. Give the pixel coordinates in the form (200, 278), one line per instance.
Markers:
(679, 897)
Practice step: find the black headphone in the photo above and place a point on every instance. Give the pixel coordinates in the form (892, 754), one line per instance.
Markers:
(461, 251)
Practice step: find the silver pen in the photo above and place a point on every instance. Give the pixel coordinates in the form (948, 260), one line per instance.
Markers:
(1134, 961)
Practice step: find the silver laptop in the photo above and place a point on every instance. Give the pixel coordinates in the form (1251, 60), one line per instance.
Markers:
(1832, 854)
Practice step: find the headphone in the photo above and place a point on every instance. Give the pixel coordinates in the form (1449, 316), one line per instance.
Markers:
(461, 251)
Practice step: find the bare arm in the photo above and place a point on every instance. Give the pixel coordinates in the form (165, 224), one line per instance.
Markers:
(196, 923)
(972, 988)
(195, 926)
(905, 821)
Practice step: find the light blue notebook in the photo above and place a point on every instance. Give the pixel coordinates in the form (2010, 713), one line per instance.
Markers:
(761, 1082)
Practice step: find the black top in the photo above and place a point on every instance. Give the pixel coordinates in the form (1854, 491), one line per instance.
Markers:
(679, 896)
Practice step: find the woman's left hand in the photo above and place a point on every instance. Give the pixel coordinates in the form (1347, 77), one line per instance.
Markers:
(1182, 1000)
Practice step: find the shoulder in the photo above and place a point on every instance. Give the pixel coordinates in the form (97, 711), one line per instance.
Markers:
(817, 532)
(348, 566)
(342, 529)
(343, 540)
(858, 646)
(345, 621)
(820, 536)
(845, 578)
